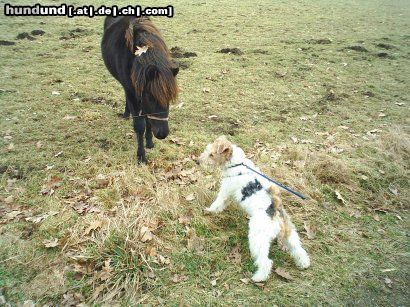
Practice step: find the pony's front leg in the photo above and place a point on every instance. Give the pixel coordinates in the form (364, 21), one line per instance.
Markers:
(126, 114)
(148, 134)
(139, 128)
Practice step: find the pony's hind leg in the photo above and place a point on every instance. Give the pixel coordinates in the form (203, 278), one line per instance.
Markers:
(148, 135)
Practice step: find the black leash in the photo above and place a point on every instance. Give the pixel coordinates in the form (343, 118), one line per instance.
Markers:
(271, 180)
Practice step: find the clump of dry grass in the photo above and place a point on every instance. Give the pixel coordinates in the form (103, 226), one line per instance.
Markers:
(329, 170)
(397, 143)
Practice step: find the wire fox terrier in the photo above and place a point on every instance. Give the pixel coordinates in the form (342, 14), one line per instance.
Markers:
(260, 199)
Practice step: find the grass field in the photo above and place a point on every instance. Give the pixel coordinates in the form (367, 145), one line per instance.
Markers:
(318, 98)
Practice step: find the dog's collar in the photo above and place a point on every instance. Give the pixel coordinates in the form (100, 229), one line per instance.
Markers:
(236, 165)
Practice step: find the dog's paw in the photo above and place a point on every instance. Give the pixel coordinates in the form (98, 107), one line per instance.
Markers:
(212, 210)
(302, 260)
(260, 276)
(263, 272)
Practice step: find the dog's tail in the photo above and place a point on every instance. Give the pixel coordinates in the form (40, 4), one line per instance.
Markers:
(286, 223)
(276, 200)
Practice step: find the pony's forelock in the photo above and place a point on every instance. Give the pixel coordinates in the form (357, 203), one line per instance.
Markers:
(152, 71)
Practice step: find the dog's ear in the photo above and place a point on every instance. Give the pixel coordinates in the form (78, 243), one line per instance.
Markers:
(223, 147)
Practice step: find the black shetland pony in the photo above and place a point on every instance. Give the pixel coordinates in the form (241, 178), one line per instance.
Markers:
(148, 78)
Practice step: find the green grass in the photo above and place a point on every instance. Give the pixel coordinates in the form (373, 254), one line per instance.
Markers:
(290, 82)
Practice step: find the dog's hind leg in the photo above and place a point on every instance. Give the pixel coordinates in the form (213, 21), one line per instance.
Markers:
(262, 230)
(291, 240)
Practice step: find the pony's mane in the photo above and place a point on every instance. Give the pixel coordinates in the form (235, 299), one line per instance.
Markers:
(155, 64)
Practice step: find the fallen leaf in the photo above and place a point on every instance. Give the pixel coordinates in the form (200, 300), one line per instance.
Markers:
(39, 144)
(72, 299)
(9, 199)
(235, 255)
(190, 197)
(294, 139)
(180, 105)
(70, 117)
(97, 292)
(376, 218)
(245, 280)
(193, 241)
(106, 271)
(49, 187)
(388, 282)
(145, 234)
(185, 220)
(39, 218)
(282, 273)
(151, 251)
(179, 278)
(309, 231)
(28, 303)
(394, 191)
(163, 260)
(102, 180)
(10, 147)
(50, 243)
(12, 215)
(93, 226)
(339, 197)
(141, 50)
(387, 270)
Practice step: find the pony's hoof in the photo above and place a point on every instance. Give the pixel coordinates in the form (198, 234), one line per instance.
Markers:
(123, 115)
(149, 144)
(142, 160)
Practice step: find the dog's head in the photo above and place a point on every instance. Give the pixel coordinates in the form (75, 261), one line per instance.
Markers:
(216, 154)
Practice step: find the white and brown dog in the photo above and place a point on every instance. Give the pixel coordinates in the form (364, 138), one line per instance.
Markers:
(260, 199)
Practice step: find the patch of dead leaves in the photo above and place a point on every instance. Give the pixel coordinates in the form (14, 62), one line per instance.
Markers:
(310, 231)
(283, 273)
(177, 278)
(53, 183)
(235, 255)
(41, 217)
(145, 234)
(96, 224)
(50, 243)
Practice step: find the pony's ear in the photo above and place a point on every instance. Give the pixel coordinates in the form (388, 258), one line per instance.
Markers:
(175, 70)
(151, 72)
(174, 67)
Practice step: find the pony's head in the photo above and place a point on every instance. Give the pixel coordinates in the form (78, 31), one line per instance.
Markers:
(153, 75)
